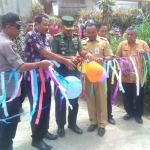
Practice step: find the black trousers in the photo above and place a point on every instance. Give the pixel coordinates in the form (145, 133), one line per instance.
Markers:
(60, 107)
(39, 130)
(133, 104)
(109, 105)
(23, 91)
(8, 131)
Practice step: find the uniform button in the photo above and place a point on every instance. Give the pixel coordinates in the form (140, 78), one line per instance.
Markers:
(63, 53)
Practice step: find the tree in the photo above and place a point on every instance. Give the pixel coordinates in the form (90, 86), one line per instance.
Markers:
(107, 12)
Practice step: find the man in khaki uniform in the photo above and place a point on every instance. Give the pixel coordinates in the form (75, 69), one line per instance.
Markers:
(97, 103)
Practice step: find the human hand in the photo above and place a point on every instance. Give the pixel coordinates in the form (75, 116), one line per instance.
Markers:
(44, 64)
(140, 51)
(99, 60)
(52, 65)
(75, 59)
(89, 56)
(69, 64)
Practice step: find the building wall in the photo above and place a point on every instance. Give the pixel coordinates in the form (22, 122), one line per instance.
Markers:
(21, 7)
(125, 4)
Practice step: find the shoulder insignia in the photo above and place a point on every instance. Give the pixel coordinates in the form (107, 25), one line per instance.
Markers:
(84, 38)
(57, 34)
(14, 47)
(102, 38)
(76, 33)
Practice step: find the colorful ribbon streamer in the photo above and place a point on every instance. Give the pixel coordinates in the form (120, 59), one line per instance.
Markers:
(137, 75)
(54, 77)
(34, 86)
(43, 90)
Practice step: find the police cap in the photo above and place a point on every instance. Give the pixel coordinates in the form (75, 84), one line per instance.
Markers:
(67, 22)
(12, 18)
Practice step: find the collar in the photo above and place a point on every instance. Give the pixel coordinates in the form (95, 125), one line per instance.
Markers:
(63, 36)
(39, 32)
(136, 42)
(97, 39)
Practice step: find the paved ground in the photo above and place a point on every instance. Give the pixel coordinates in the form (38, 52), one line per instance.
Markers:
(125, 135)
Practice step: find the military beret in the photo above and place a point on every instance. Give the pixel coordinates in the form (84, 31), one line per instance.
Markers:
(67, 22)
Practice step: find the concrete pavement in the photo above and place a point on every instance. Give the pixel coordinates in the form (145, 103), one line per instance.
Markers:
(125, 135)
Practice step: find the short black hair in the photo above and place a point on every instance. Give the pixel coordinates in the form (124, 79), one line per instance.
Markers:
(39, 17)
(99, 25)
(90, 25)
(29, 21)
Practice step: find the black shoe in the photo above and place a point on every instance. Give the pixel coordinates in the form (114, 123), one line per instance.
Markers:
(21, 110)
(92, 127)
(111, 120)
(41, 145)
(50, 136)
(101, 131)
(75, 128)
(61, 132)
(139, 120)
(127, 117)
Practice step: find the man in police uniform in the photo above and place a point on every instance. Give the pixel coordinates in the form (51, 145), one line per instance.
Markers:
(10, 59)
(97, 103)
(67, 44)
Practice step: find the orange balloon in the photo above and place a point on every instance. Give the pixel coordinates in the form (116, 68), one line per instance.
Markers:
(94, 71)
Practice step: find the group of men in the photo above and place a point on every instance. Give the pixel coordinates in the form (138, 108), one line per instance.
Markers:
(65, 45)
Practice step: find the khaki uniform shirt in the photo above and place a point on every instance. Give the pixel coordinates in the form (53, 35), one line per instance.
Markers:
(100, 47)
(125, 50)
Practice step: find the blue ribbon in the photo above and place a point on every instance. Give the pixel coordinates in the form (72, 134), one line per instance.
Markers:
(5, 119)
(56, 63)
(148, 56)
(35, 96)
(92, 89)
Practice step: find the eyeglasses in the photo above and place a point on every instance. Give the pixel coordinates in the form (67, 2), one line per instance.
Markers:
(16, 25)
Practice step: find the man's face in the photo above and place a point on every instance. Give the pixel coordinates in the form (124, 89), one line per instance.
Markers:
(13, 30)
(43, 26)
(91, 32)
(131, 36)
(29, 27)
(67, 32)
(102, 31)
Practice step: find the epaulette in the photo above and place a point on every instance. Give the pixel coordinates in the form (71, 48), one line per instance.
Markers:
(102, 38)
(58, 34)
(76, 33)
(84, 38)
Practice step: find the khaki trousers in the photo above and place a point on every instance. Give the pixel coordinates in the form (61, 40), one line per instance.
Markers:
(97, 103)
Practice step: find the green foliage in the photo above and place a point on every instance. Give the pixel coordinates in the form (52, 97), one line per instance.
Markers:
(125, 17)
(143, 34)
(144, 30)
(107, 12)
(84, 12)
(37, 8)
(115, 42)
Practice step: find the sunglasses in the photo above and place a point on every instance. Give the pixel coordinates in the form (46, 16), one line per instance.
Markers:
(16, 25)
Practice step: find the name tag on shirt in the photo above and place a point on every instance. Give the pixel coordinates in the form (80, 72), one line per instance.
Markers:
(96, 50)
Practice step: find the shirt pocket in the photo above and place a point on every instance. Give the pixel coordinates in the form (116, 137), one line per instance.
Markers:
(63, 47)
(125, 52)
(75, 45)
